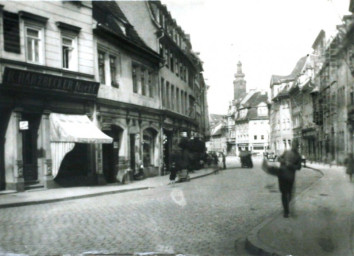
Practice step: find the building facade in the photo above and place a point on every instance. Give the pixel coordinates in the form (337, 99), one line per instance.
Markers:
(252, 123)
(219, 134)
(181, 83)
(47, 90)
(92, 93)
(128, 102)
(281, 122)
(320, 97)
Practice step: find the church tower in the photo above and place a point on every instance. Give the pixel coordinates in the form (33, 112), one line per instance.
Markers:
(239, 83)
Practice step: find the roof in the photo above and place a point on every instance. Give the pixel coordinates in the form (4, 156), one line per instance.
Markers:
(276, 79)
(108, 14)
(214, 118)
(251, 104)
(217, 130)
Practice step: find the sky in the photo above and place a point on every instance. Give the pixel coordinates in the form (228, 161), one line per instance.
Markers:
(267, 36)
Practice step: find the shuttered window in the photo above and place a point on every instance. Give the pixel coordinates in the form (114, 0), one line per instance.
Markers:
(11, 32)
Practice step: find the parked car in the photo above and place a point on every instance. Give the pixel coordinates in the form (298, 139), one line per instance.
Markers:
(271, 156)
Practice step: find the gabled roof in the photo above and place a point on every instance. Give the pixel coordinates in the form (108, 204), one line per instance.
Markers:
(107, 13)
(218, 130)
(214, 118)
(276, 79)
(251, 104)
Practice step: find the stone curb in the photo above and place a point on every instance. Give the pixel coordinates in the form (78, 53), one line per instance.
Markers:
(254, 246)
(45, 201)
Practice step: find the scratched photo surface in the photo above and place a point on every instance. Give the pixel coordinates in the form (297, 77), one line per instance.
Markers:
(177, 127)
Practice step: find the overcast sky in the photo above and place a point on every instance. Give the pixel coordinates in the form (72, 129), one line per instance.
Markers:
(267, 36)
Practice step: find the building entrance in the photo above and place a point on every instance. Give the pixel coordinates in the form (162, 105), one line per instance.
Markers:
(4, 120)
(111, 154)
(29, 147)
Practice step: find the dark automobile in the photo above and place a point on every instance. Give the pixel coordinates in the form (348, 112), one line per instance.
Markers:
(246, 159)
(271, 156)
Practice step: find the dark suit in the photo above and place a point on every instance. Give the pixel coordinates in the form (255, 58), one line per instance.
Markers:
(290, 162)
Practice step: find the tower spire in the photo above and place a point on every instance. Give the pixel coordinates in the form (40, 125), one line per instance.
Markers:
(239, 83)
(239, 73)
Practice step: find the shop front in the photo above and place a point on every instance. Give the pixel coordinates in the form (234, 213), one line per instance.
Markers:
(46, 133)
(309, 144)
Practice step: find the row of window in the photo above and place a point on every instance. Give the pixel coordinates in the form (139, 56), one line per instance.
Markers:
(254, 137)
(34, 40)
(175, 65)
(167, 24)
(109, 68)
(143, 80)
(176, 99)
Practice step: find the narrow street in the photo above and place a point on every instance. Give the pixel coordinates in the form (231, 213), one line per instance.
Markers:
(202, 217)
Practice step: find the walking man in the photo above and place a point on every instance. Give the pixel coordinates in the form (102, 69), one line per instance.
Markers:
(349, 163)
(290, 162)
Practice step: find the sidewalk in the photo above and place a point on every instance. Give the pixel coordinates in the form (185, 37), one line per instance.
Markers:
(322, 222)
(30, 197)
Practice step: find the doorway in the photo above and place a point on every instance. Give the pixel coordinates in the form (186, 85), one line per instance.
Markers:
(4, 120)
(111, 154)
(29, 147)
(132, 153)
(167, 148)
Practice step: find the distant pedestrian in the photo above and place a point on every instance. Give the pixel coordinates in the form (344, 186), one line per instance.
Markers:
(349, 163)
(290, 162)
(223, 157)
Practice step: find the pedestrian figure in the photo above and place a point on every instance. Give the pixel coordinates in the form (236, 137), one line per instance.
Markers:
(223, 160)
(180, 162)
(290, 162)
(349, 163)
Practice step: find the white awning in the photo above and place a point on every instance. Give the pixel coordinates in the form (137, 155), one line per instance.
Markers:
(75, 128)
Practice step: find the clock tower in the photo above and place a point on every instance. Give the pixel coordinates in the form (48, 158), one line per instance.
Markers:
(239, 83)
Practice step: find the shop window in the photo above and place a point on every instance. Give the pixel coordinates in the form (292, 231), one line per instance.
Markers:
(149, 136)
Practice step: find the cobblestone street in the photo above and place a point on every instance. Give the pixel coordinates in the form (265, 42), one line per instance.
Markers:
(202, 217)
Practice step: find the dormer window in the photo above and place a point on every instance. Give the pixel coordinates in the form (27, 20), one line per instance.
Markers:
(122, 27)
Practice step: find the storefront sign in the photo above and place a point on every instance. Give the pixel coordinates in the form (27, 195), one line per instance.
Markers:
(23, 125)
(24, 78)
(243, 144)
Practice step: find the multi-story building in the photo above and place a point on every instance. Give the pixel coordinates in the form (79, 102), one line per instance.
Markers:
(335, 90)
(320, 97)
(281, 123)
(252, 122)
(48, 93)
(71, 68)
(218, 133)
(128, 102)
(181, 83)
